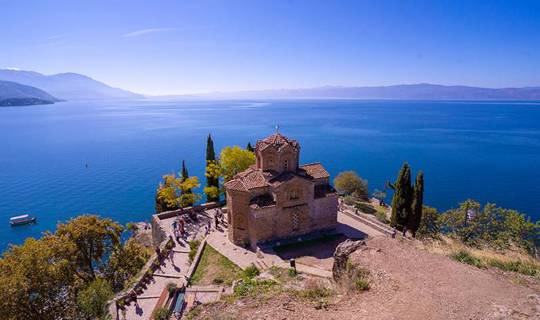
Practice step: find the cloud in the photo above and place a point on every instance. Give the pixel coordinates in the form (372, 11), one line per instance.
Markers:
(56, 37)
(143, 32)
(11, 68)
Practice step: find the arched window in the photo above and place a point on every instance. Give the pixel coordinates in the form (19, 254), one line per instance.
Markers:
(293, 194)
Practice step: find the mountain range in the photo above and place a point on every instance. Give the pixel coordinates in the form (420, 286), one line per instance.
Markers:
(67, 86)
(422, 91)
(16, 94)
(73, 86)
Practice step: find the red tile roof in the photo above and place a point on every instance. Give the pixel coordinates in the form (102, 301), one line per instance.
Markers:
(277, 140)
(315, 170)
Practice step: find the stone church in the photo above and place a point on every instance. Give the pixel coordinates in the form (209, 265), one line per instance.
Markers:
(277, 198)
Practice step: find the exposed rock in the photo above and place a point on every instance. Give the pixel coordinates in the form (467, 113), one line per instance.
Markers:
(341, 256)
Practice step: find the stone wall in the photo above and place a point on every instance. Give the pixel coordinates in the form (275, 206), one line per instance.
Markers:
(271, 223)
(324, 212)
(238, 216)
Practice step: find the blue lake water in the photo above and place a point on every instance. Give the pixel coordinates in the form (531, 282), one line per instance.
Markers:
(489, 151)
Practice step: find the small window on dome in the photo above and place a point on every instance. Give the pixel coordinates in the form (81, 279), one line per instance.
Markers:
(293, 194)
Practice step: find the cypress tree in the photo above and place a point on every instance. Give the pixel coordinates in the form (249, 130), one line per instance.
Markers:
(210, 153)
(250, 147)
(417, 204)
(211, 159)
(184, 177)
(185, 174)
(401, 201)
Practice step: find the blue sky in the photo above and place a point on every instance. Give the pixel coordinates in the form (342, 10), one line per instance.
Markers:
(168, 47)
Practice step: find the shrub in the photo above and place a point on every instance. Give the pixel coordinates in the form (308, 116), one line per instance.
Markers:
(171, 287)
(162, 314)
(490, 226)
(519, 266)
(361, 284)
(121, 303)
(349, 200)
(193, 247)
(464, 256)
(251, 272)
(382, 217)
(357, 277)
(169, 245)
(365, 207)
(429, 223)
(292, 273)
(149, 273)
(131, 227)
(218, 280)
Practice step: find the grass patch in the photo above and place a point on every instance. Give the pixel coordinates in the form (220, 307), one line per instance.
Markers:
(214, 268)
(282, 274)
(193, 313)
(316, 292)
(249, 287)
(251, 272)
(360, 279)
(464, 256)
(523, 267)
(357, 278)
(292, 273)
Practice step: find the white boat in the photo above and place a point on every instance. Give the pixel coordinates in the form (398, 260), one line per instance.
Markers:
(22, 219)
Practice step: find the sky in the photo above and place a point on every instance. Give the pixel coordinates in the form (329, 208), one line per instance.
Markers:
(178, 47)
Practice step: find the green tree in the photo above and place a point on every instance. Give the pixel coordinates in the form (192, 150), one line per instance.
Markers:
(429, 225)
(125, 262)
(166, 198)
(92, 301)
(186, 188)
(417, 205)
(177, 192)
(491, 226)
(162, 314)
(234, 160)
(401, 201)
(350, 183)
(212, 173)
(250, 147)
(210, 152)
(36, 283)
(88, 240)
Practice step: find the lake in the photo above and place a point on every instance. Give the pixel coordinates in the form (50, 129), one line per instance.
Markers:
(70, 158)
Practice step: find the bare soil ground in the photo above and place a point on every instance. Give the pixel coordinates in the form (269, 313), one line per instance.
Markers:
(405, 283)
(315, 253)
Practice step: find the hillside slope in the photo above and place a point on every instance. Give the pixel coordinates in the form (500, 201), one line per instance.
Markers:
(15, 94)
(68, 86)
(405, 283)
